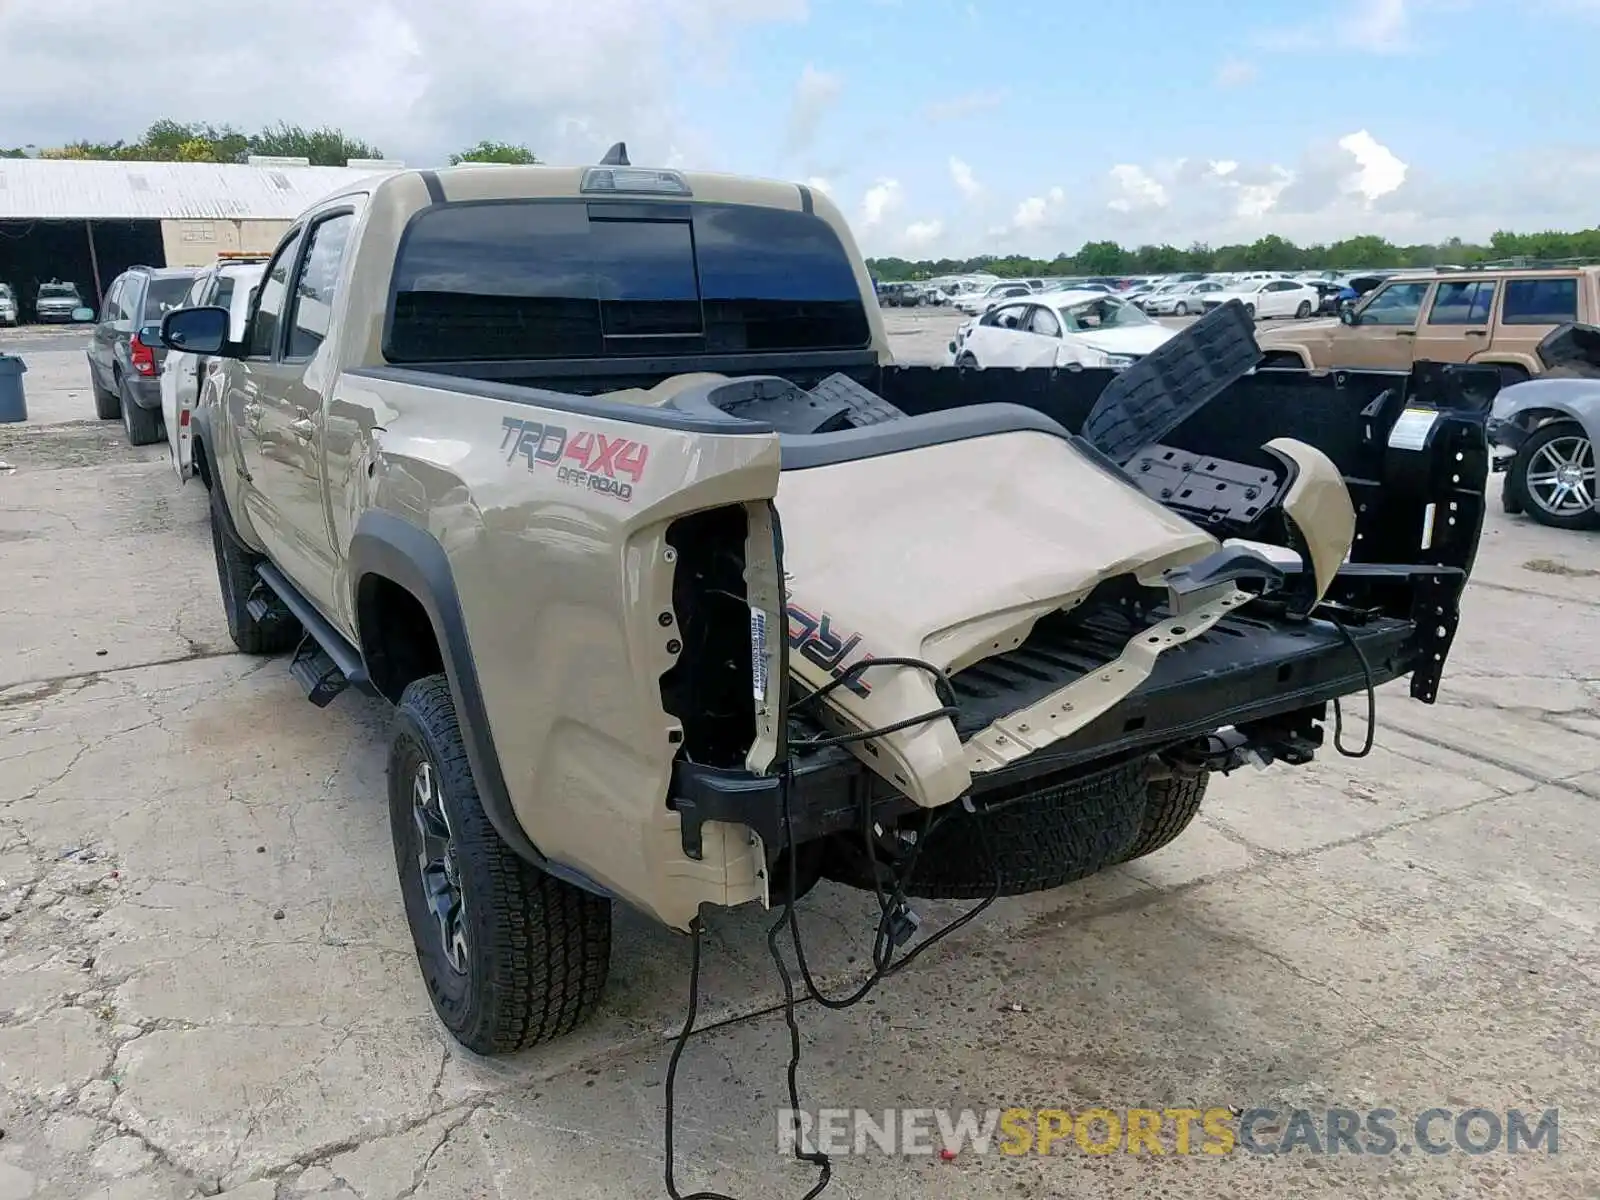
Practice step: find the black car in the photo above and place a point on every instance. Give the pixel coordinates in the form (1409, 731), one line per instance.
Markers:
(124, 373)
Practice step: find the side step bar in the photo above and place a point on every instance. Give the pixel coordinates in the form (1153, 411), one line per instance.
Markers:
(325, 664)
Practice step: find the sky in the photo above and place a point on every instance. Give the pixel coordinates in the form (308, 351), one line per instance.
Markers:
(940, 127)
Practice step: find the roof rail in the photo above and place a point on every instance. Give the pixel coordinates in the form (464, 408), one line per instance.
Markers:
(617, 156)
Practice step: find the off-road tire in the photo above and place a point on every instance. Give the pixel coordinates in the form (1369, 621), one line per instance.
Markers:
(1170, 805)
(538, 948)
(143, 424)
(1058, 834)
(107, 405)
(1516, 485)
(236, 577)
(1304, 310)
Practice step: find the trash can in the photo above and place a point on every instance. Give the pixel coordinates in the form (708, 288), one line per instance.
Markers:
(13, 404)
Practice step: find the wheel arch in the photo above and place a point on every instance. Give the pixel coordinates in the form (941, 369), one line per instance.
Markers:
(393, 566)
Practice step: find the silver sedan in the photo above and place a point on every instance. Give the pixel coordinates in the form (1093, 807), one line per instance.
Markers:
(1181, 301)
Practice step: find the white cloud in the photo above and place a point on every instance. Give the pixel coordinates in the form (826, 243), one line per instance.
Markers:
(814, 94)
(417, 78)
(1235, 72)
(881, 199)
(1381, 171)
(1137, 190)
(1040, 212)
(966, 183)
(1370, 26)
(1223, 167)
(966, 104)
(818, 183)
(921, 234)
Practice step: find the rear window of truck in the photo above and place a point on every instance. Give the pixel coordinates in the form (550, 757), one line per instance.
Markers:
(573, 279)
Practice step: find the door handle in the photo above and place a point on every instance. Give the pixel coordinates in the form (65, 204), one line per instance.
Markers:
(1476, 332)
(302, 427)
(1405, 333)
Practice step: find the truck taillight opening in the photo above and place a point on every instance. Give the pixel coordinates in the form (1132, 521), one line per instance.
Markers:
(709, 689)
(141, 356)
(183, 419)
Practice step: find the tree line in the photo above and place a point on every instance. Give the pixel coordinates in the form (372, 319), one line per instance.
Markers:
(1270, 253)
(197, 141)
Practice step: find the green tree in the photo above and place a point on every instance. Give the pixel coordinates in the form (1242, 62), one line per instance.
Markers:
(325, 147)
(495, 152)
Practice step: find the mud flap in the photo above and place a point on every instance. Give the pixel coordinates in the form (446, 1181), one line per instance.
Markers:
(1170, 384)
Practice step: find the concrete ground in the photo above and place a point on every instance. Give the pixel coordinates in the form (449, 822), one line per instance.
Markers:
(206, 983)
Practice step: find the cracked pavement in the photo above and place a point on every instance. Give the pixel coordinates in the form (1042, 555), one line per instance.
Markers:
(207, 987)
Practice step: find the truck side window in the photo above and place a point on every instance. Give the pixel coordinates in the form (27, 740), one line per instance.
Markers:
(268, 316)
(314, 290)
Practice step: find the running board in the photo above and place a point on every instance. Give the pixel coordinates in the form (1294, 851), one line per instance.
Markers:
(325, 663)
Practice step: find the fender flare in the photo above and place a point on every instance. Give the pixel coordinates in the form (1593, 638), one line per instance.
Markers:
(391, 548)
(1580, 404)
(201, 422)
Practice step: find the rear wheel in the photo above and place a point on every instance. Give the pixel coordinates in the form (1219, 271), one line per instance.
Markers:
(1170, 804)
(1552, 477)
(510, 955)
(1304, 310)
(143, 425)
(1180, 309)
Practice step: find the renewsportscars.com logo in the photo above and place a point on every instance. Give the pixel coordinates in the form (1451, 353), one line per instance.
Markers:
(1214, 1131)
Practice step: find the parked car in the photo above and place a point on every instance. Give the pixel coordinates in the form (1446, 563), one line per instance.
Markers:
(56, 303)
(1263, 298)
(1545, 431)
(9, 315)
(229, 283)
(977, 303)
(1329, 292)
(124, 370)
(613, 678)
(1182, 299)
(1082, 328)
(902, 295)
(1497, 316)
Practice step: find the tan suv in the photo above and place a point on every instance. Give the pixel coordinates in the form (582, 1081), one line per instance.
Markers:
(1488, 316)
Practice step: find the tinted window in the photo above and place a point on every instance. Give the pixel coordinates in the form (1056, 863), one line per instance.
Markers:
(1540, 302)
(128, 299)
(108, 306)
(317, 285)
(1397, 304)
(163, 295)
(549, 280)
(1462, 304)
(268, 315)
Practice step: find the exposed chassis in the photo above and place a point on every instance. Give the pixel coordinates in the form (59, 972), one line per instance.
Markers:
(1413, 454)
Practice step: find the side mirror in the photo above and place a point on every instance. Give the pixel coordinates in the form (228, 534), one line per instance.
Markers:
(82, 314)
(196, 331)
(1347, 314)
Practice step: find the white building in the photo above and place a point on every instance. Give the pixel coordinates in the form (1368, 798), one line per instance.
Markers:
(88, 221)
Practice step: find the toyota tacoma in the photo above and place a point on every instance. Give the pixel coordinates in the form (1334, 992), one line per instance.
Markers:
(685, 593)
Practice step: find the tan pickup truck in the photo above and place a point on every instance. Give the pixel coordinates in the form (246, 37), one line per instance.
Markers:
(686, 594)
(1495, 317)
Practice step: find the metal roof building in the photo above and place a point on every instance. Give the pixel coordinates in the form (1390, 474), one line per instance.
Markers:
(86, 221)
(35, 189)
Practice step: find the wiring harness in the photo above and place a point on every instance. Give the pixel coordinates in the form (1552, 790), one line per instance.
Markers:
(895, 923)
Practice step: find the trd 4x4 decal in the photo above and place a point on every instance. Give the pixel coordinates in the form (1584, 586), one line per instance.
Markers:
(583, 459)
(815, 638)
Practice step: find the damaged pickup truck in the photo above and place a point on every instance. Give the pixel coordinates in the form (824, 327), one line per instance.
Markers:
(686, 594)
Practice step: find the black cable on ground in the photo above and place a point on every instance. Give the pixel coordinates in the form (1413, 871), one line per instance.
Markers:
(884, 942)
(1372, 701)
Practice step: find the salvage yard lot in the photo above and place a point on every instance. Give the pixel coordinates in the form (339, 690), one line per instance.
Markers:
(206, 982)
